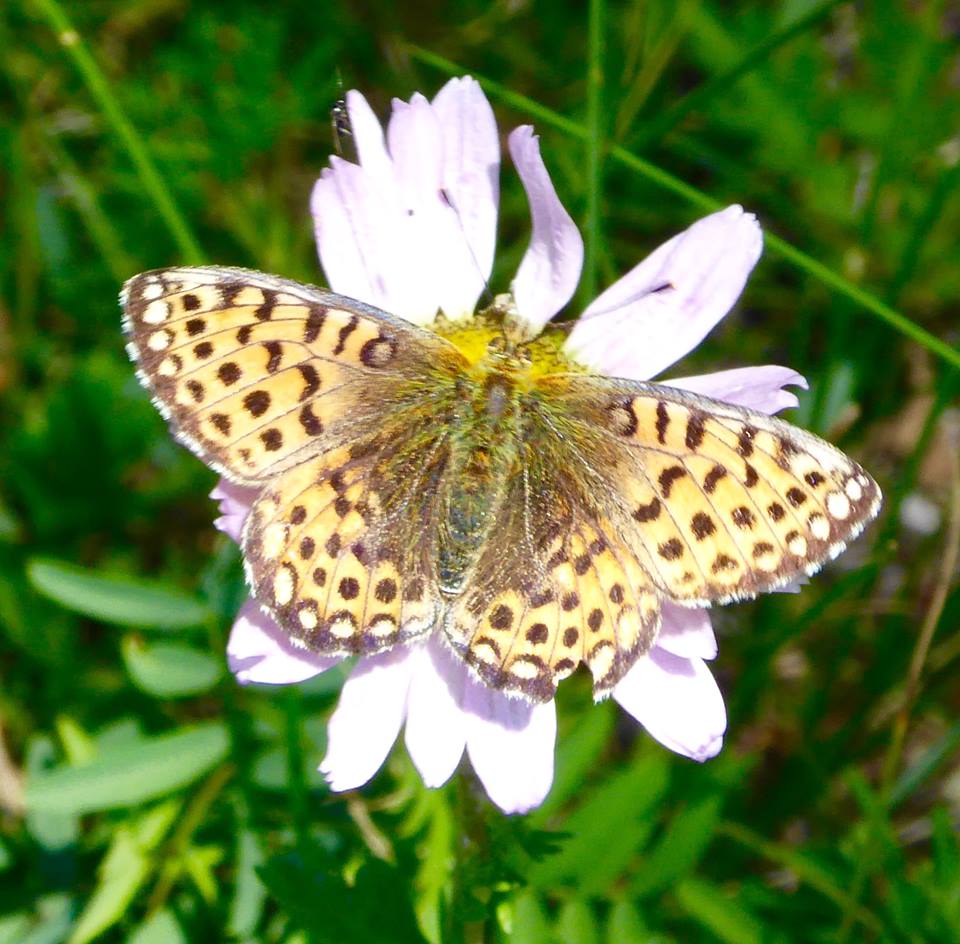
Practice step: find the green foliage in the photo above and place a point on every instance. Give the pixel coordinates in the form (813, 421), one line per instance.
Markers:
(146, 797)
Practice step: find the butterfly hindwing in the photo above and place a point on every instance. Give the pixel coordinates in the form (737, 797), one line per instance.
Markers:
(340, 549)
(258, 373)
(554, 585)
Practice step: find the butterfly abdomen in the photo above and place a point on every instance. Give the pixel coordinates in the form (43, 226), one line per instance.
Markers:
(483, 456)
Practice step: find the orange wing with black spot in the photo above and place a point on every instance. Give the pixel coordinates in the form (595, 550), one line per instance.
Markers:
(334, 408)
(257, 374)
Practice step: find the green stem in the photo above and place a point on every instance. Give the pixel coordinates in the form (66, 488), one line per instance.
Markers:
(699, 97)
(296, 782)
(588, 283)
(129, 137)
(667, 181)
(470, 845)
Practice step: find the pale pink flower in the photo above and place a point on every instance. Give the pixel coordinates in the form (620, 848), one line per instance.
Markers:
(412, 229)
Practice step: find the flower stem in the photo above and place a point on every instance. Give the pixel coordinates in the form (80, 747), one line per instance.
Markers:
(595, 148)
(471, 850)
(296, 783)
(129, 137)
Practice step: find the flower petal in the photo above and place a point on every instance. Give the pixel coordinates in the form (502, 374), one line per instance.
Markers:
(677, 701)
(434, 237)
(550, 269)
(471, 165)
(355, 234)
(757, 388)
(436, 729)
(367, 718)
(665, 306)
(368, 140)
(235, 503)
(510, 744)
(259, 651)
(686, 632)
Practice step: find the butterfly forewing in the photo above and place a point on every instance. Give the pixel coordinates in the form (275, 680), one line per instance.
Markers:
(257, 373)
(719, 502)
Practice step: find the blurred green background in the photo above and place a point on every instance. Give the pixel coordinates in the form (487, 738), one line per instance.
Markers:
(144, 797)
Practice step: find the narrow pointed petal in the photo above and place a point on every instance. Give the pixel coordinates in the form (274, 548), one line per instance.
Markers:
(235, 503)
(677, 701)
(757, 388)
(510, 744)
(436, 731)
(367, 719)
(550, 269)
(686, 633)
(471, 165)
(259, 651)
(434, 238)
(368, 139)
(663, 308)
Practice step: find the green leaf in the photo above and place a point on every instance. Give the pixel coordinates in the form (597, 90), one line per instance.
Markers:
(161, 928)
(125, 868)
(617, 818)
(680, 848)
(577, 754)
(52, 830)
(527, 921)
(123, 600)
(718, 912)
(51, 921)
(249, 892)
(625, 926)
(14, 928)
(170, 670)
(318, 900)
(131, 774)
(577, 924)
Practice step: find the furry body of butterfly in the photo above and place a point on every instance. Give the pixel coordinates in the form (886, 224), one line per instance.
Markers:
(474, 482)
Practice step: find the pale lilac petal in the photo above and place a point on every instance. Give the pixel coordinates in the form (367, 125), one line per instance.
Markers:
(347, 215)
(510, 744)
(436, 732)
(259, 651)
(686, 632)
(471, 165)
(677, 701)
(363, 243)
(368, 139)
(550, 270)
(367, 718)
(663, 308)
(435, 245)
(416, 148)
(757, 388)
(235, 503)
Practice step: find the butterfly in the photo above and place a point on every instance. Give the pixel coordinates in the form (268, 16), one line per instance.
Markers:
(473, 481)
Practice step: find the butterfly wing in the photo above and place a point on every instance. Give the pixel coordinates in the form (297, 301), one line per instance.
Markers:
(628, 493)
(341, 549)
(557, 587)
(719, 502)
(335, 410)
(256, 373)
